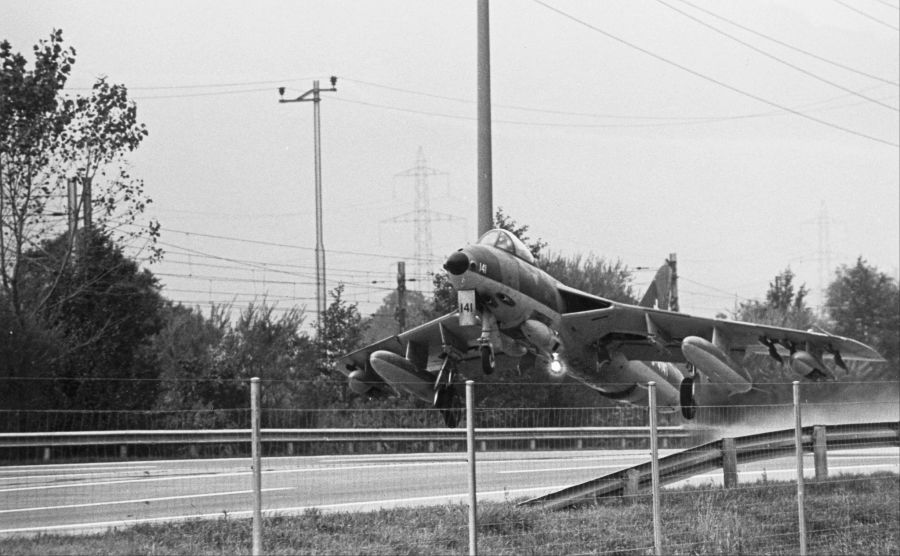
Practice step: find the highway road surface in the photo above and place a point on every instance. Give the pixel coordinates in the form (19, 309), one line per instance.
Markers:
(87, 497)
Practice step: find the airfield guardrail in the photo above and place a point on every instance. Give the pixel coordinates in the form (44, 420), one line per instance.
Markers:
(727, 453)
(485, 436)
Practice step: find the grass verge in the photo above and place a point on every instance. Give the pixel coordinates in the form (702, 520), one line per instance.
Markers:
(844, 515)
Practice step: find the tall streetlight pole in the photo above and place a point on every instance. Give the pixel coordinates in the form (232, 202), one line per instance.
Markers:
(485, 165)
(312, 95)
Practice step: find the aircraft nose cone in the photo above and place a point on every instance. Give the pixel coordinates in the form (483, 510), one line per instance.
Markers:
(457, 263)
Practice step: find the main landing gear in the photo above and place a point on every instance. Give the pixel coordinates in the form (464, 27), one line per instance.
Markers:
(446, 397)
(448, 401)
(686, 394)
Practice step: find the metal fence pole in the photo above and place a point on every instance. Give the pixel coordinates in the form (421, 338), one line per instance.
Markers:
(470, 445)
(654, 469)
(798, 443)
(256, 466)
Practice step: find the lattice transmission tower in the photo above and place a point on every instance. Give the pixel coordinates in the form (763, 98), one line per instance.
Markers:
(422, 217)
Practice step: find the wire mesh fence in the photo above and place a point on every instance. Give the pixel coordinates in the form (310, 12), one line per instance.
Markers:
(339, 472)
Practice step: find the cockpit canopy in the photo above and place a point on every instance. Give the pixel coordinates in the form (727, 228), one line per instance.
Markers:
(507, 241)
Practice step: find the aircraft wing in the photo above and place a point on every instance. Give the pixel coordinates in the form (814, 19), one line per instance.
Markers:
(653, 335)
(428, 342)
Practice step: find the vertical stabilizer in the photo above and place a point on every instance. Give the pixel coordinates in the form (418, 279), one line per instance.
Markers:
(657, 295)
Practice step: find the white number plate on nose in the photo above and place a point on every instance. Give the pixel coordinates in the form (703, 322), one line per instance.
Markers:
(467, 312)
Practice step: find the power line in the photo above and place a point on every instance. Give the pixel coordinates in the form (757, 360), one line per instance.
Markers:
(712, 79)
(776, 58)
(888, 4)
(285, 245)
(660, 121)
(203, 85)
(528, 108)
(207, 94)
(865, 15)
(687, 121)
(790, 46)
(264, 266)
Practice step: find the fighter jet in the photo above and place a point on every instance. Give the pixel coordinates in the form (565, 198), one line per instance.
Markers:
(509, 306)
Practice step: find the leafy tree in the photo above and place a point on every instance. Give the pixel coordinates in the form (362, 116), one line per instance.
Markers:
(259, 344)
(342, 333)
(31, 123)
(28, 358)
(103, 312)
(864, 304)
(102, 128)
(443, 300)
(383, 321)
(185, 351)
(591, 274)
(206, 363)
(46, 139)
(784, 306)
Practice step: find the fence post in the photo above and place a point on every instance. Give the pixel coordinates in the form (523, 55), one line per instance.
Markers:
(820, 452)
(654, 470)
(256, 467)
(632, 485)
(470, 445)
(729, 463)
(798, 443)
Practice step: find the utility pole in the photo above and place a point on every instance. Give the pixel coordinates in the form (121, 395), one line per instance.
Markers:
(401, 296)
(72, 212)
(485, 172)
(673, 283)
(86, 201)
(312, 95)
(824, 255)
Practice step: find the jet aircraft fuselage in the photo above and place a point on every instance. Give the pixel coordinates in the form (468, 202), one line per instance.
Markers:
(508, 305)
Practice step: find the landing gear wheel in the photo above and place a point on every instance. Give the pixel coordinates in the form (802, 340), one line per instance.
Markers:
(448, 401)
(686, 398)
(487, 360)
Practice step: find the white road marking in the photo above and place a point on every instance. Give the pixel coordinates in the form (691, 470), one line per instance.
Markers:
(67, 475)
(554, 469)
(102, 526)
(141, 500)
(191, 476)
(12, 472)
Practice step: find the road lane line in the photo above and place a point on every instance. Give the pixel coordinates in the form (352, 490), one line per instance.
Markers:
(228, 474)
(553, 469)
(141, 500)
(6, 471)
(103, 526)
(63, 476)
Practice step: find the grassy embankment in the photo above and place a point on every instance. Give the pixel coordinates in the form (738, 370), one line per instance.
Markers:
(846, 515)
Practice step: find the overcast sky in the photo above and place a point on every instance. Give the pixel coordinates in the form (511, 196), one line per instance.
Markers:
(747, 137)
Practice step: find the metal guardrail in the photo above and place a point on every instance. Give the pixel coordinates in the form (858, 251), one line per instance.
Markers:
(723, 453)
(134, 437)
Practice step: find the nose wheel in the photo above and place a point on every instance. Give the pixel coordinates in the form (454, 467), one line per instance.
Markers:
(488, 363)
